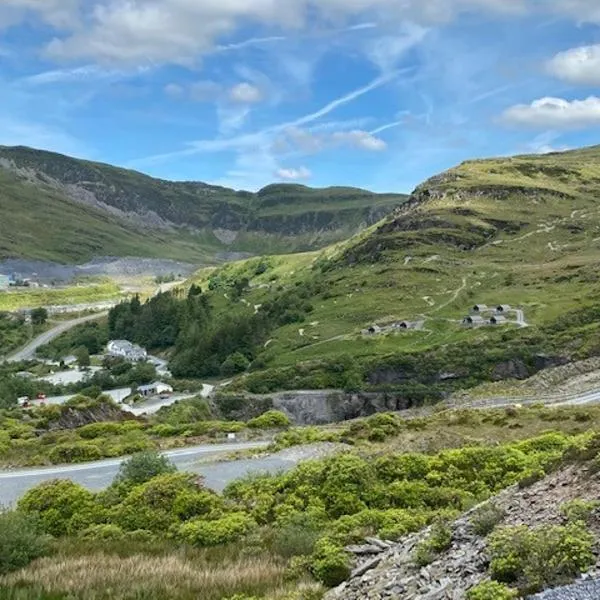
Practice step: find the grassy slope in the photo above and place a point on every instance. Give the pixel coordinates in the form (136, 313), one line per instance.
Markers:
(39, 221)
(523, 231)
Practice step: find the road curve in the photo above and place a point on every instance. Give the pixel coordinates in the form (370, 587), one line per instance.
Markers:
(28, 352)
(98, 475)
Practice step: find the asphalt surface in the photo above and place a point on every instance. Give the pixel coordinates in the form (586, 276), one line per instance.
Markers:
(98, 475)
(28, 352)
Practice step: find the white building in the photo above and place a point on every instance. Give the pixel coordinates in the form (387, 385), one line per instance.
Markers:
(155, 389)
(126, 350)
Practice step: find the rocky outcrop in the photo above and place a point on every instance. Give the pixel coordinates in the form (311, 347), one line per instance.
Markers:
(392, 573)
(72, 417)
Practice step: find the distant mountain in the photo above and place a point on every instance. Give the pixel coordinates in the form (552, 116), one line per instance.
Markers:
(60, 208)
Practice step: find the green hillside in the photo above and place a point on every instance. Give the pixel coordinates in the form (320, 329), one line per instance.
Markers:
(523, 231)
(58, 208)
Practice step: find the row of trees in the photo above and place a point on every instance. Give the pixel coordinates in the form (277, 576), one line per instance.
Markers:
(205, 342)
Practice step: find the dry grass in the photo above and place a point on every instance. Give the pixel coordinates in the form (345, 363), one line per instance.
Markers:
(103, 576)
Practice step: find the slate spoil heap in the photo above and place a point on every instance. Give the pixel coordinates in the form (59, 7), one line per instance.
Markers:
(386, 570)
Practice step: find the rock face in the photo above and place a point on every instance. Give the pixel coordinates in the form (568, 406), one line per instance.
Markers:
(392, 573)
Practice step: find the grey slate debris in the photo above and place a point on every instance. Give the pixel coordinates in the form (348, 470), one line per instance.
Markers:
(585, 590)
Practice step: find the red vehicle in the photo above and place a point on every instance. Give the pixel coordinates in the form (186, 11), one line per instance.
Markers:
(41, 396)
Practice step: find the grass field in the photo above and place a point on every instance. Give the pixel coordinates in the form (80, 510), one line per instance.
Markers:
(78, 294)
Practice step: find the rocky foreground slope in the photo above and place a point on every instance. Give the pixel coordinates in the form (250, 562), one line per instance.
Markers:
(392, 572)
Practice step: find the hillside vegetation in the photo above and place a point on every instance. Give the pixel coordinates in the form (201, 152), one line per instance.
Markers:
(523, 232)
(288, 536)
(59, 208)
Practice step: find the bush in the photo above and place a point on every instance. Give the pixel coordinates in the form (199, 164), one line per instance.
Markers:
(142, 467)
(535, 559)
(74, 453)
(21, 541)
(579, 510)
(234, 364)
(270, 420)
(228, 529)
(485, 519)
(105, 533)
(439, 540)
(297, 538)
(330, 563)
(491, 590)
(57, 503)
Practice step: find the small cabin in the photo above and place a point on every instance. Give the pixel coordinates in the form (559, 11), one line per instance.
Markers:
(374, 330)
(474, 321)
(498, 320)
(502, 309)
(479, 308)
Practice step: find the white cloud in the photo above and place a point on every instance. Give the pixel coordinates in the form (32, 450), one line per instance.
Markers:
(79, 74)
(555, 113)
(62, 14)
(387, 50)
(360, 139)
(294, 174)
(577, 65)
(180, 31)
(245, 93)
(311, 142)
(205, 91)
(174, 90)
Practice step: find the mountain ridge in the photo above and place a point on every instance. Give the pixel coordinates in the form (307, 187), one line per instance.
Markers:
(292, 216)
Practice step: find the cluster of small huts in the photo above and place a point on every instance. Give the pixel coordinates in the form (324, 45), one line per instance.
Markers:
(482, 315)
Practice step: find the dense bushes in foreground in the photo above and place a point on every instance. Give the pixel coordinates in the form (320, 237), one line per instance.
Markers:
(305, 516)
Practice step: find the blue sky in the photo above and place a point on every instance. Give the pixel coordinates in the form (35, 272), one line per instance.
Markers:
(374, 93)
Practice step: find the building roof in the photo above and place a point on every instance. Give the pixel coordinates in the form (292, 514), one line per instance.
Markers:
(153, 386)
(498, 319)
(474, 319)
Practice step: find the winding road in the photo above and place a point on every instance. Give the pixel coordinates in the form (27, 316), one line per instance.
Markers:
(203, 460)
(28, 352)
(98, 475)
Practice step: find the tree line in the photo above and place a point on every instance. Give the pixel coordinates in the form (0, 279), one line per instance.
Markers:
(206, 342)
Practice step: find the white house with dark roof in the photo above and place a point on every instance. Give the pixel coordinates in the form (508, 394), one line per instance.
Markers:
(155, 389)
(127, 350)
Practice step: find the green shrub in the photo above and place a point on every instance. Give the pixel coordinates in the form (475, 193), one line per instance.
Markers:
(485, 519)
(57, 503)
(21, 541)
(230, 528)
(330, 563)
(75, 452)
(438, 541)
(234, 364)
(297, 538)
(152, 505)
(142, 467)
(103, 533)
(579, 510)
(491, 590)
(270, 420)
(538, 558)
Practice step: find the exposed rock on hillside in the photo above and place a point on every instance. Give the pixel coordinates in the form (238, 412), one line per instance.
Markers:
(394, 574)
(318, 216)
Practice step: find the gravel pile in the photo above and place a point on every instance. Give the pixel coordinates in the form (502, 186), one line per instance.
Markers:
(586, 590)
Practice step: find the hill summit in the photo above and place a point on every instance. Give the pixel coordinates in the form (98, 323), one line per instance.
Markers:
(105, 210)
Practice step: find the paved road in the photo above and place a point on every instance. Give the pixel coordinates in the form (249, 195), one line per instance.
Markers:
(28, 352)
(98, 475)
